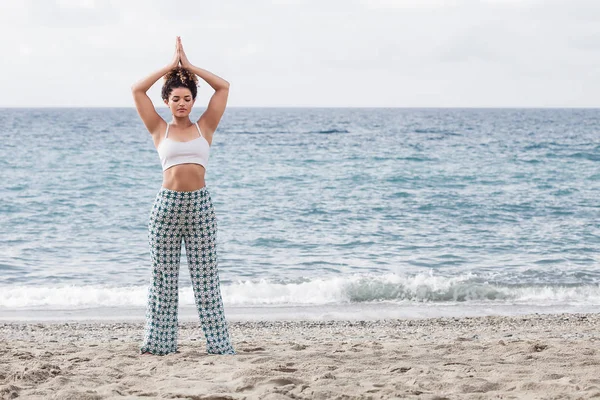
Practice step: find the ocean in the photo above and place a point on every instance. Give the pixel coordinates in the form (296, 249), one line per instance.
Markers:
(323, 213)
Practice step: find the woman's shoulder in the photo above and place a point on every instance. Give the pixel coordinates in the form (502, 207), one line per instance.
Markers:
(206, 130)
(158, 135)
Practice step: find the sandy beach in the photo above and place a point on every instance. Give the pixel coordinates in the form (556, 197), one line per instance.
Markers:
(522, 357)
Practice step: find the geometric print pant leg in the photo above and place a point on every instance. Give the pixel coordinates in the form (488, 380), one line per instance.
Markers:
(188, 217)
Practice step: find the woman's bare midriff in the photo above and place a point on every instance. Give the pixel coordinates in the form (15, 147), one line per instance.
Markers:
(184, 177)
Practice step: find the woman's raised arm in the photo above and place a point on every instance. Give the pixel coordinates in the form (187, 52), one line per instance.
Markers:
(209, 120)
(143, 104)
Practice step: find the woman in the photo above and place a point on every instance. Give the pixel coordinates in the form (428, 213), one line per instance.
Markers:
(183, 208)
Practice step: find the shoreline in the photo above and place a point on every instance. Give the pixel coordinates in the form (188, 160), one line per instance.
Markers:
(327, 312)
(524, 356)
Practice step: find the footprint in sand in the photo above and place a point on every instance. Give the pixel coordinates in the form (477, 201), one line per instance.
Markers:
(252, 349)
(23, 355)
(327, 375)
(283, 381)
(283, 368)
(79, 359)
(537, 347)
(401, 369)
(260, 360)
(10, 391)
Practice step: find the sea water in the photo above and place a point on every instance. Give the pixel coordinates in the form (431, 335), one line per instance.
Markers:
(323, 213)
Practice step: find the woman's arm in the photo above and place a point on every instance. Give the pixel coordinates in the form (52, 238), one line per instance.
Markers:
(143, 104)
(213, 80)
(216, 106)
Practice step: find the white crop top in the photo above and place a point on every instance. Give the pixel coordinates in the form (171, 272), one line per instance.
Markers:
(173, 152)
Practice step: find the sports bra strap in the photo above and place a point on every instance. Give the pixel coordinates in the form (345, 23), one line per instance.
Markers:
(167, 132)
(200, 133)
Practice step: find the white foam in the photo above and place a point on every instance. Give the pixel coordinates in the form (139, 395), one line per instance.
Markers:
(346, 289)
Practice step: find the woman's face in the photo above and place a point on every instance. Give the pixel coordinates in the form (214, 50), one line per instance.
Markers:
(180, 102)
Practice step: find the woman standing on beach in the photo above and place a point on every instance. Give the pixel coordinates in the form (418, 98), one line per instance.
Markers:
(183, 208)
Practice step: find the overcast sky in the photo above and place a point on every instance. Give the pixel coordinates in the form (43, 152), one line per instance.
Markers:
(322, 53)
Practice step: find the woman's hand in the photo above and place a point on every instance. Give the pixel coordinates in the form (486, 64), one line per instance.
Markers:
(185, 63)
(177, 56)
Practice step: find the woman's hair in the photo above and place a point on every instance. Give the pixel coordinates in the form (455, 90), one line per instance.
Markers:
(179, 77)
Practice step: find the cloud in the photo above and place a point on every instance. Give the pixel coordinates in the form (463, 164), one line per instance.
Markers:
(358, 52)
(71, 13)
(410, 4)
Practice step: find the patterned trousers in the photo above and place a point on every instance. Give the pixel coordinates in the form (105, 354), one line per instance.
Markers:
(187, 216)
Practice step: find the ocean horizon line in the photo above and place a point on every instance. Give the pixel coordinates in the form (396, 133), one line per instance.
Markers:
(331, 107)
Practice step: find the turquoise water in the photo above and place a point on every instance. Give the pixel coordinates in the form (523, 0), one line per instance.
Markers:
(413, 211)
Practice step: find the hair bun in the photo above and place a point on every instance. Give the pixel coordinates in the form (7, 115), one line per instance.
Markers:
(179, 77)
(182, 75)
